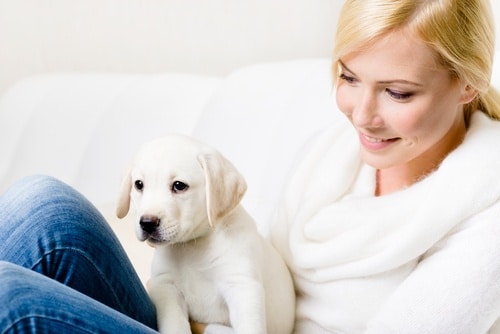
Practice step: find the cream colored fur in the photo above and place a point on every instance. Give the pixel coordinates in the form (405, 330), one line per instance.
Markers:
(210, 264)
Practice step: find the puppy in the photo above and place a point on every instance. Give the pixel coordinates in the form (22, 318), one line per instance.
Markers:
(210, 263)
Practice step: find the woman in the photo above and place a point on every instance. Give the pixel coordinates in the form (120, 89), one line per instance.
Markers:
(390, 228)
(394, 227)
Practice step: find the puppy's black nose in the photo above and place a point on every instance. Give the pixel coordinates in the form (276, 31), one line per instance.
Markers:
(149, 223)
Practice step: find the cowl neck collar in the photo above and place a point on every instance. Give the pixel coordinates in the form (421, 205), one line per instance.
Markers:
(325, 232)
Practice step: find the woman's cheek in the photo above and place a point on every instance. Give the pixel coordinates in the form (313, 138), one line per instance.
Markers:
(343, 101)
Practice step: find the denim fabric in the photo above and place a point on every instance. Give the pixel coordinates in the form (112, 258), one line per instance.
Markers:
(62, 268)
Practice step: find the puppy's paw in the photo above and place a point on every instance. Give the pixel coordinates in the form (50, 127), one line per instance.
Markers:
(180, 326)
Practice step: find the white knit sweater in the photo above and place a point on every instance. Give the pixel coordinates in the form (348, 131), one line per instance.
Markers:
(425, 259)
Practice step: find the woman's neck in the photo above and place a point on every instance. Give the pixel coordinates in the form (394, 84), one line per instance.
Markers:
(396, 178)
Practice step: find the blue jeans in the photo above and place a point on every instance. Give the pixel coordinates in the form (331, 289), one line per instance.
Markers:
(62, 269)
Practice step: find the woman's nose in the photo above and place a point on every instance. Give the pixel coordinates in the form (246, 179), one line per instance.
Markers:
(366, 111)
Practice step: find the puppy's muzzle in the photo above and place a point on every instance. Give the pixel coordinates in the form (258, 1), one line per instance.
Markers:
(149, 223)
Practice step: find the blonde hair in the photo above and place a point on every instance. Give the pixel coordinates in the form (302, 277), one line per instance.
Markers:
(461, 32)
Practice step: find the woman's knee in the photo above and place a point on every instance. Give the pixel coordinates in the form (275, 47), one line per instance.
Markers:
(41, 198)
(35, 189)
(44, 213)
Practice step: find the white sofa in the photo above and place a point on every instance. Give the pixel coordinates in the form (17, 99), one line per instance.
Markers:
(86, 83)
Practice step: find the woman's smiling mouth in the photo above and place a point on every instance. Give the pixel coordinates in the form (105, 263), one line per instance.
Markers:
(374, 143)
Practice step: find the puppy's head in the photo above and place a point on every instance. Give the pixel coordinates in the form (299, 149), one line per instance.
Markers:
(180, 188)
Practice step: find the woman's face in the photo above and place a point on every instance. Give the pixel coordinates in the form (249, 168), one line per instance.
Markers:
(404, 105)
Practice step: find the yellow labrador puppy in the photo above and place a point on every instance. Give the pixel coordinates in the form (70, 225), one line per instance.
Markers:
(210, 263)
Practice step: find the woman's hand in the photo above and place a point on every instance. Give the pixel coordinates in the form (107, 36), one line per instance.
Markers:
(197, 328)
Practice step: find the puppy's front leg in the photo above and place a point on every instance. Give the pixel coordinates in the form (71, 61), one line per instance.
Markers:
(171, 308)
(245, 299)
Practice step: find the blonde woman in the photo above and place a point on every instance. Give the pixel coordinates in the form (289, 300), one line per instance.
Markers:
(392, 222)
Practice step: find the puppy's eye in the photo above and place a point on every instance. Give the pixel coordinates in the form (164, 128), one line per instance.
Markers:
(179, 186)
(139, 185)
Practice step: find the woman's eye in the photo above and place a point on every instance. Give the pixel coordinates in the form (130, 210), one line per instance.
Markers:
(347, 78)
(398, 95)
(139, 185)
(179, 186)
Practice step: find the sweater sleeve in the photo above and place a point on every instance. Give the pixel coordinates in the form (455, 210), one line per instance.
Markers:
(456, 286)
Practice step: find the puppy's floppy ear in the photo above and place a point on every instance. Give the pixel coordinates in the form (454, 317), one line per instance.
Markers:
(123, 204)
(225, 186)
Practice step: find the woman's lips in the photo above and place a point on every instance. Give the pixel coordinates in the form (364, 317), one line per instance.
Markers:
(375, 143)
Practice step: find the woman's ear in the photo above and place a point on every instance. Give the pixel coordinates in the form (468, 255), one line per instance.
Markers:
(469, 93)
(225, 186)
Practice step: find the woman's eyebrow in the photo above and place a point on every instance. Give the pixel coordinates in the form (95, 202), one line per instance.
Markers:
(384, 82)
(345, 67)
